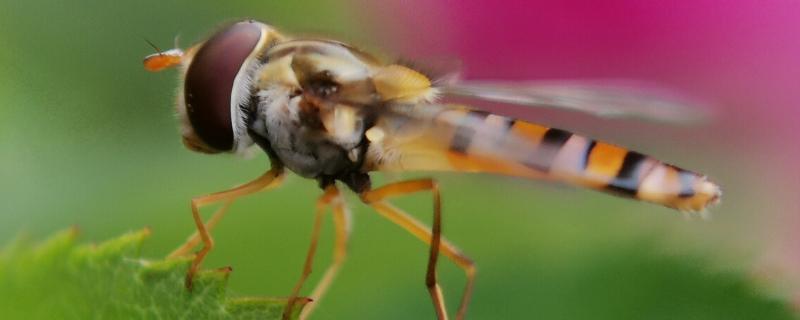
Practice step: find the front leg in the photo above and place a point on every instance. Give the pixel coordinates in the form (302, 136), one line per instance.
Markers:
(269, 179)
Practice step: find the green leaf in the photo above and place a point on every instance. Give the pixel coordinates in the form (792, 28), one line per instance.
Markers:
(60, 279)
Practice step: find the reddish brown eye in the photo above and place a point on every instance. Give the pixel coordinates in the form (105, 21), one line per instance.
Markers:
(208, 87)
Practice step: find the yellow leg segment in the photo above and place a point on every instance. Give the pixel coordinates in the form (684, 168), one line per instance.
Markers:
(341, 221)
(270, 179)
(375, 198)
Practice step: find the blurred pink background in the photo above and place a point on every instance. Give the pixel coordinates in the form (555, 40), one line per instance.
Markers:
(741, 56)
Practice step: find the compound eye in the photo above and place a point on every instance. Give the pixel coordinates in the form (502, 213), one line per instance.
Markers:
(209, 82)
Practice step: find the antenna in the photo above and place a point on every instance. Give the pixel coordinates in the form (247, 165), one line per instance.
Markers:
(154, 46)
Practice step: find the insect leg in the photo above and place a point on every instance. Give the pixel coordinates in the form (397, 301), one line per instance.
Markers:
(194, 239)
(270, 178)
(341, 220)
(331, 194)
(375, 198)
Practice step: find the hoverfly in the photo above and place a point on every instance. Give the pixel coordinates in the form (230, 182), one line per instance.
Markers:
(333, 113)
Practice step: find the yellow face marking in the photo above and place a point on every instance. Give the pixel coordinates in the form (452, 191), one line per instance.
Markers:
(605, 161)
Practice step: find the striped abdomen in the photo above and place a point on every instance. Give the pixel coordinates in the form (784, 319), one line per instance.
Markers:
(458, 139)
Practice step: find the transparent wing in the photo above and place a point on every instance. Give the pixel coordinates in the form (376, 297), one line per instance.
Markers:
(604, 98)
(441, 137)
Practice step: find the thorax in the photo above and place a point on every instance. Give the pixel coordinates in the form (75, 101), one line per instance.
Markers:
(310, 107)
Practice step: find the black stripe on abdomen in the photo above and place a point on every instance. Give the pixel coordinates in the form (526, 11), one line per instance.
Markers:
(508, 125)
(546, 152)
(465, 132)
(586, 154)
(628, 177)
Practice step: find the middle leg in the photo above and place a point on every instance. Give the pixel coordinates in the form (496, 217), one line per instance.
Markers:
(331, 196)
(341, 221)
(375, 198)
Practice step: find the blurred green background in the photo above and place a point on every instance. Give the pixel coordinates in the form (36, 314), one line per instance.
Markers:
(90, 139)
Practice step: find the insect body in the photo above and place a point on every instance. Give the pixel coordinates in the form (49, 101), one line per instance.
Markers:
(330, 112)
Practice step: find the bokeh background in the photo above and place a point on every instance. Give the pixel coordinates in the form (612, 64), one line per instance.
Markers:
(89, 138)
